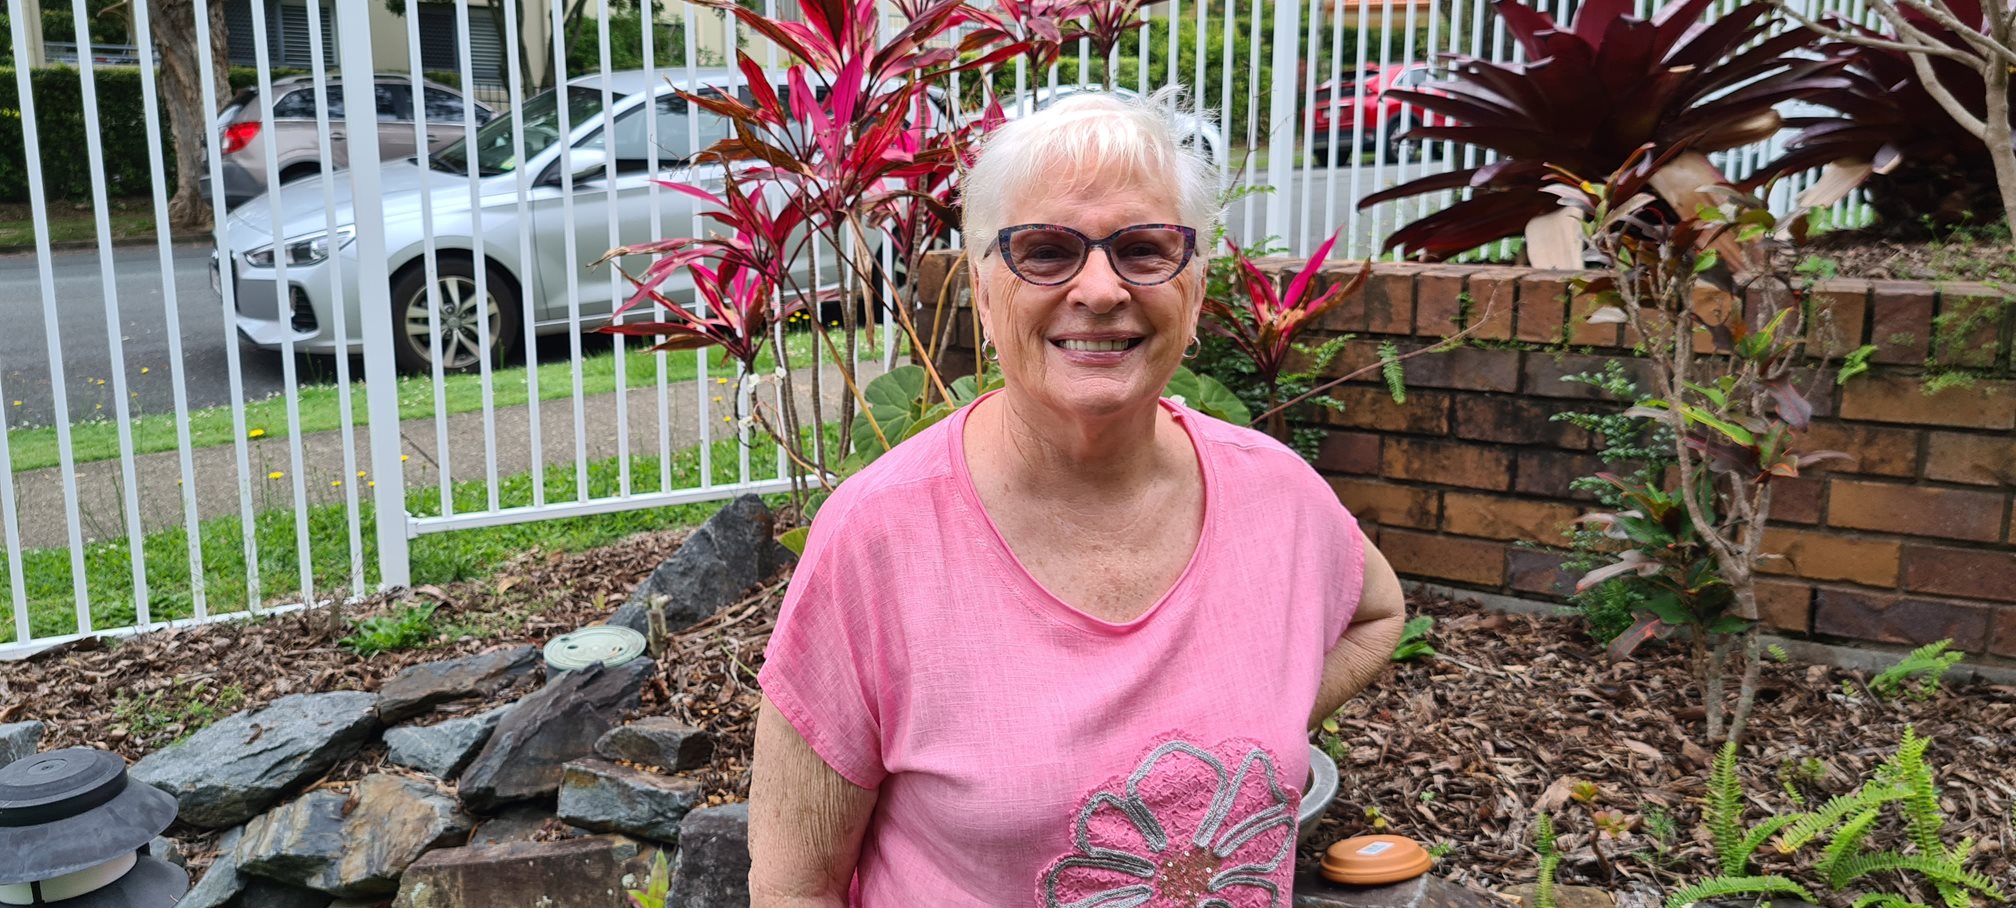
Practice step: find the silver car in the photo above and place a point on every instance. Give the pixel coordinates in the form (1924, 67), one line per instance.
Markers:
(518, 288)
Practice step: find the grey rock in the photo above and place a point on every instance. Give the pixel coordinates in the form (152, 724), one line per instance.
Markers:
(577, 873)
(355, 845)
(717, 565)
(222, 882)
(559, 723)
(1425, 891)
(658, 741)
(713, 866)
(442, 749)
(605, 797)
(169, 850)
(231, 771)
(264, 893)
(521, 823)
(421, 687)
(18, 740)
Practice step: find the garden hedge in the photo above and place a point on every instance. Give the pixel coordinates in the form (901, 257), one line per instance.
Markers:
(59, 121)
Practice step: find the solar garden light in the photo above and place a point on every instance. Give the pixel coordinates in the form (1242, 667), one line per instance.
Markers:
(74, 831)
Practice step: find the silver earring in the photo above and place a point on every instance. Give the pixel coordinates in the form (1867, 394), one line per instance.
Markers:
(987, 350)
(1196, 346)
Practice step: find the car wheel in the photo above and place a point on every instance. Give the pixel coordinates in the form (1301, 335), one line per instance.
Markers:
(299, 172)
(459, 318)
(1399, 148)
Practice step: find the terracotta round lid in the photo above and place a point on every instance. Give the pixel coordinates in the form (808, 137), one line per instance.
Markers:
(1373, 860)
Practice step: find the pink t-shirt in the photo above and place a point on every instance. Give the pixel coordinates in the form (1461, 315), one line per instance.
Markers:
(1026, 753)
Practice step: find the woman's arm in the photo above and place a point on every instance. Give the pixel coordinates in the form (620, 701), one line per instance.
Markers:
(805, 821)
(1362, 654)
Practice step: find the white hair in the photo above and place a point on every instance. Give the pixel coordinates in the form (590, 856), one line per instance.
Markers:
(1081, 137)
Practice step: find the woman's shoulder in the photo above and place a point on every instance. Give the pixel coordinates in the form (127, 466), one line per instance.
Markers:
(1228, 440)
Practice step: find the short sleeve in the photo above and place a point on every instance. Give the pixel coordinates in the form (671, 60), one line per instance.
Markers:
(822, 668)
(1347, 568)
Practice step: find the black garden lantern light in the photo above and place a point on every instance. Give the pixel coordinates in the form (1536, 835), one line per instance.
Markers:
(74, 831)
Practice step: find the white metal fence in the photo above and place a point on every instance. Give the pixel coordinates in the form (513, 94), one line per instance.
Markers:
(163, 516)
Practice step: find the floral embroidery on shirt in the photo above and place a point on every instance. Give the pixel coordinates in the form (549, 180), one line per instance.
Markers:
(1188, 827)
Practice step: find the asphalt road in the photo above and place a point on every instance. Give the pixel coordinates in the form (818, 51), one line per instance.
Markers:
(1315, 192)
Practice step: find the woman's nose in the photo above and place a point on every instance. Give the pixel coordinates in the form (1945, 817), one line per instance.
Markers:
(1097, 287)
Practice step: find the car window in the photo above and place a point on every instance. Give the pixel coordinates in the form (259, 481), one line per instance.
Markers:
(299, 105)
(443, 106)
(676, 124)
(392, 102)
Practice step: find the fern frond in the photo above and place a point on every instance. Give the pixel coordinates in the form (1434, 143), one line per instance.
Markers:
(1725, 812)
(1809, 826)
(1886, 900)
(1845, 846)
(1763, 833)
(1931, 660)
(1933, 869)
(1922, 819)
(1393, 370)
(1543, 842)
(1725, 886)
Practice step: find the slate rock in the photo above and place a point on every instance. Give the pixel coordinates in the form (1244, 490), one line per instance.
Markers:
(264, 893)
(605, 797)
(1565, 896)
(712, 870)
(169, 850)
(729, 554)
(657, 741)
(442, 749)
(1425, 891)
(555, 725)
(229, 772)
(351, 845)
(420, 688)
(19, 740)
(588, 872)
(522, 823)
(221, 883)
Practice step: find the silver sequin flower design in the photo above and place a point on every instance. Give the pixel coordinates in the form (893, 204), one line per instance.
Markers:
(1139, 846)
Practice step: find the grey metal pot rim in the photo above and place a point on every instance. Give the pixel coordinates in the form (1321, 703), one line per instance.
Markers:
(1321, 792)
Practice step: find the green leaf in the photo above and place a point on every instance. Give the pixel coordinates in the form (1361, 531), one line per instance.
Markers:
(930, 418)
(964, 389)
(1734, 432)
(1666, 606)
(1706, 261)
(1729, 624)
(1714, 395)
(794, 539)
(901, 387)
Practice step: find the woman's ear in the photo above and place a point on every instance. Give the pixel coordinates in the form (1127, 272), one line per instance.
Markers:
(983, 301)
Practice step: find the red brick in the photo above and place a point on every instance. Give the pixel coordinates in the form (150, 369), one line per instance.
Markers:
(1582, 333)
(1386, 503)
(1971, 331)
(1350, 314)
(1909, 620)
(1818, 555)
(1424, 555)
(1542, 374)
(1901, 399)
(1835, 328)
(1988, 460)
(2003, 642)
(1542, 306)
(1797, 500)
(1349, 452)
(1515, 420)
(1875, 449)
(1425, 412)
(1785, 605)
(1535, 571)
(1498, 517)
(1974, 573)
(1438, 300)
(1493, 293)
(1385, 306)
(1461, 369)
(1901, 322)
(1915, 510)
(1447, 463)
(1548, 474)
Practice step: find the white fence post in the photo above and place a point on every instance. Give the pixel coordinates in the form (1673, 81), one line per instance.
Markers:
(1281, 120)
(374, 293)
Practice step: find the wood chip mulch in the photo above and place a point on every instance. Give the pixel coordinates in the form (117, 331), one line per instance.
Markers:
(1461, 748)
(1867, 254)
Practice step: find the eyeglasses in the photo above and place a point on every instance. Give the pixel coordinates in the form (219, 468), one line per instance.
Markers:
(1143, 255)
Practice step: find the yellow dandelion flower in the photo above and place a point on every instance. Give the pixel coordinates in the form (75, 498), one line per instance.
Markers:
(360, 474)
(335, 482)
(720, 381)
(143, 370)
(372, 484)
(276, 474)
(255, 433)
(403, 458)
(717, 398)
(17, 403)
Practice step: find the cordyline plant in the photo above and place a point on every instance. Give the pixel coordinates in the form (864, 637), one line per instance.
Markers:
(1265, 323)
(1929, 120)
(1726, 389)
(1591, 95)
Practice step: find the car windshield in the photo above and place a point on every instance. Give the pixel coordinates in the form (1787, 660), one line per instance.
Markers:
(494, 153)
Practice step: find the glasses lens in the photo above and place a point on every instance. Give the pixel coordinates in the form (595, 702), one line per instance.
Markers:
(1043, 256)
(1149, 255)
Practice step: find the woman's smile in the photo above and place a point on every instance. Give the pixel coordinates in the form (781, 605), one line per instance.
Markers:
(1104, 349)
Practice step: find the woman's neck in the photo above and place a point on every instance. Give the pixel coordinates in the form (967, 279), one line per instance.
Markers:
(1055, 456)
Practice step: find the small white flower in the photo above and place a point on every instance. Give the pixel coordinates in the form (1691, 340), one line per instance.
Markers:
(1177, 399)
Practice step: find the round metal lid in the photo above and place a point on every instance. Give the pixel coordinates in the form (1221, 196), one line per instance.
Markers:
(601, 644)
(66, 810)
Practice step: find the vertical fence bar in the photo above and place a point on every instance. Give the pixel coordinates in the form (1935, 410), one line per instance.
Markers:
(1307, 171)
(374, 294)
(1357, 145)
(613, 204)
(744, 394)
(233, 367)
(16, 584)
(572, 259)
(655, 200)
(514, 79)
(1252, 117)
(94, 150)
(1281, 115)
(700, 385)
(479, 255)
(346, 417)
(1380, 128)
(1330, 149)
(430, 257)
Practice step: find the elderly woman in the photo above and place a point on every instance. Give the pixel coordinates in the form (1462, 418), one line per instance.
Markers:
(1066, 646)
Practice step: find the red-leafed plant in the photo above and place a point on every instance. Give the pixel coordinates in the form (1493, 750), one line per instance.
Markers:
(1725, 385)
(1037, 30)
(1264, 322)
(1591, 95)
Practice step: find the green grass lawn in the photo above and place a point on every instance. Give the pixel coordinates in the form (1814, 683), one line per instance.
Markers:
(36, 448)
(435, 558)
(75, 222)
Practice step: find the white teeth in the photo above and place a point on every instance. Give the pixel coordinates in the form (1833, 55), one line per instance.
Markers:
(1094, 346)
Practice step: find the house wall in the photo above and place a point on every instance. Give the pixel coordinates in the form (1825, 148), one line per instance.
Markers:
(1908, 543)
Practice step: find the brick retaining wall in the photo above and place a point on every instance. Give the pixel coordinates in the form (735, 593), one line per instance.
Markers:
(1911, 542)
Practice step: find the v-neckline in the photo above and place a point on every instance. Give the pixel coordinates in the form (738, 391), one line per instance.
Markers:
(1048, 601)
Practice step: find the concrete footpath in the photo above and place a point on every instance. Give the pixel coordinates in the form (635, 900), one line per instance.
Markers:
(101, 487)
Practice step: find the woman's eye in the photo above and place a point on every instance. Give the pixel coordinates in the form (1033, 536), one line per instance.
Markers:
(1044, 253)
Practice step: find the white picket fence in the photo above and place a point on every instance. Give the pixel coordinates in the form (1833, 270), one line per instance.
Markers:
(104, 510)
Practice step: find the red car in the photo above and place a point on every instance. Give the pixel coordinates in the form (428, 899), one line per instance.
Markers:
(1340, 102)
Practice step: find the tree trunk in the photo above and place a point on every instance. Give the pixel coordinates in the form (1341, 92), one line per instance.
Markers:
(1998, 138)
(181, 81)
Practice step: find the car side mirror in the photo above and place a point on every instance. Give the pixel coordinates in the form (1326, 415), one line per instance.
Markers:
(581, 163)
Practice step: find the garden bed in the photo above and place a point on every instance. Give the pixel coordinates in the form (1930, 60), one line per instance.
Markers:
(1459, 748)
(1966, 254)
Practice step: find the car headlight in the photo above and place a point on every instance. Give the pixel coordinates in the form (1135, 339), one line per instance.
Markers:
(307, 249)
